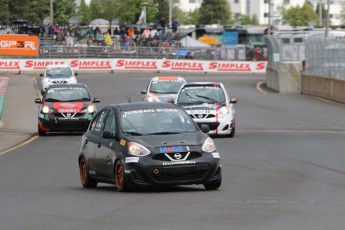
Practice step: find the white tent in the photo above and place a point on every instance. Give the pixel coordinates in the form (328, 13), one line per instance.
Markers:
(191, 42)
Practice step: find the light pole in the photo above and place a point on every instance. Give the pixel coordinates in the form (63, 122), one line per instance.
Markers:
(51, 12)
(144, 8)
(327, 20)
(170, 13)
(269, 18)
(320, 14)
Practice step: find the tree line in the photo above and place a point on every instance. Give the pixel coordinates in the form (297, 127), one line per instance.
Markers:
(128, 12)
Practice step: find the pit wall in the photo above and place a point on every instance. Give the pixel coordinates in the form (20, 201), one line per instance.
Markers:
(289, 79)
(324, 87)
(286, 80)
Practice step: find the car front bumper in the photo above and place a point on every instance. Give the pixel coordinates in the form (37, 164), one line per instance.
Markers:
(149, 172)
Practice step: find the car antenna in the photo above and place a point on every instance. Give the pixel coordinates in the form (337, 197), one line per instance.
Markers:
(129, 99)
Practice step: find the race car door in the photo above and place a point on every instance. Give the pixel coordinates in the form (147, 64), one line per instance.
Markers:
(105, 147)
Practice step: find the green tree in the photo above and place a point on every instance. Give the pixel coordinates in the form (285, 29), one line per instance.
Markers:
(64, 10)
(214, 11)
(4, 12)
(300, 16)
(84, 13)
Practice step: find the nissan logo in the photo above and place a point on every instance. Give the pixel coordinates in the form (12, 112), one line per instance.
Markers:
(177, 156)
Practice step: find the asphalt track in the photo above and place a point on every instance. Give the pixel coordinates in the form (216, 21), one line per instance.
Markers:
(283, 170)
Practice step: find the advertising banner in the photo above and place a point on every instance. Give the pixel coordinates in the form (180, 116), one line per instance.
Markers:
(176, 65)
(18, 45)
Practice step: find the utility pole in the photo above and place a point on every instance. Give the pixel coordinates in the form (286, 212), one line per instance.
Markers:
(51, 13)
(269, 18)
(327, 20)
(170, 13)
(320, 13)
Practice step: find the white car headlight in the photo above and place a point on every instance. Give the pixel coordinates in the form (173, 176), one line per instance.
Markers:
(136, 149)
(150, 99)
(46, 80)
(208, 145)
(46, 109)
(91, 109)
(224, 110)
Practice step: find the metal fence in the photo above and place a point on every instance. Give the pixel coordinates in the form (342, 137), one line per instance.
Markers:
(325, 57)
(233, 53)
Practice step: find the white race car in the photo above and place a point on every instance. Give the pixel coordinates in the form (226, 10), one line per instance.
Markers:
(57, 74)
(163, 89)
(208, 103)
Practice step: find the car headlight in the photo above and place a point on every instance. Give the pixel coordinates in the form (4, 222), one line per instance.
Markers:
(208, 145)
(73, 80)
(91, 109)
(150, 99)
(136, 149)
(224, 110)
(46, 80)
(46, 109)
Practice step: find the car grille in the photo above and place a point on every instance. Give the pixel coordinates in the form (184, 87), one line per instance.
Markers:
(212, 125)
(66, 115)
(60, 82)
(180, 173)
(164, 157)
(202, 116)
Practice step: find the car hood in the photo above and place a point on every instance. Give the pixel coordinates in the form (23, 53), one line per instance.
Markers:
(184, 139)
(69, 106)
(202, 106)
(163, 97)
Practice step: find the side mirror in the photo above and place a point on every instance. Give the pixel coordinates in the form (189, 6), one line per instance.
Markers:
(41, 75)
(205, 128)
(143, 91)
(38, 101)
(96, 100)
(108, 135)
(76, 74)
(233, 100)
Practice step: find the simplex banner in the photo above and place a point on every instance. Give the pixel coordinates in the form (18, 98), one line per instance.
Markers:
(123, 64)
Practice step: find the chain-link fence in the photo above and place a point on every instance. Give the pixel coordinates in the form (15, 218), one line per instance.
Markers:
(325, 57)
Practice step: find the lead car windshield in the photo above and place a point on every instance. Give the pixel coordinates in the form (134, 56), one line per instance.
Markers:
(165, 87)
(67, 94)
(200, 95)
(162, 121)
(58, 72)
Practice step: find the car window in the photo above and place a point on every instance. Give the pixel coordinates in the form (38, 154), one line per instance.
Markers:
(110, 122)
(165, 86)
(59, 72)
(98, 121)
(157, 120)
(201, 94)
(67, 94)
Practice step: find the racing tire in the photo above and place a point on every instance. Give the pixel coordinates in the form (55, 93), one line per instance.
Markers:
(213, 186)
(85, 178)
(40, 132)
(233, 131)
(119, 174)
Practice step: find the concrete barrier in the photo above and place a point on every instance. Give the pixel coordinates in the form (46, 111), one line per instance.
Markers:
(286, 80)
(324, 87)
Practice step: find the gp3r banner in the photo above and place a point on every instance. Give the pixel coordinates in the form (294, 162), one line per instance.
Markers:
(19, 45)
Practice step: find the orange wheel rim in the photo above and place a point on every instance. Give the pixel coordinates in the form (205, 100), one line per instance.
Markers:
(83, 173)
(119, 175)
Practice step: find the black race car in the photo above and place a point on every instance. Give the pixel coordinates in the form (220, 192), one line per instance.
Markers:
(147, 145)
(65, 108)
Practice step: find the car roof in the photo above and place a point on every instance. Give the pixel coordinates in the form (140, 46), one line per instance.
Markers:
(144, 105)
(57, 66)
(189, 84)
(168, 78)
